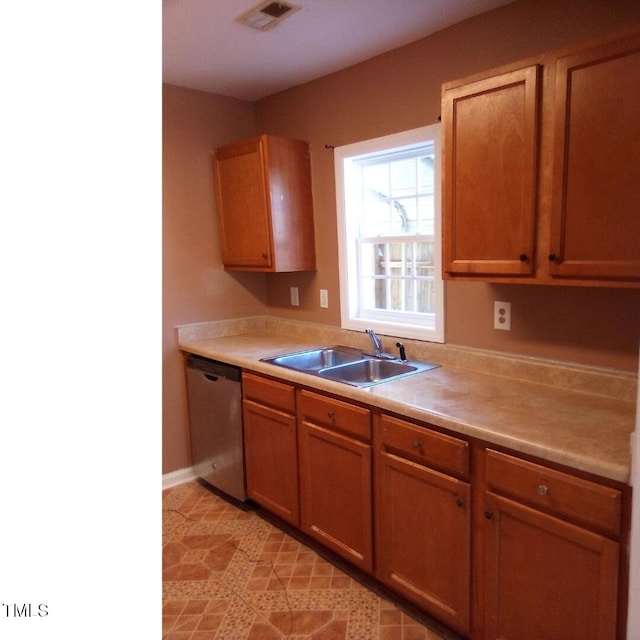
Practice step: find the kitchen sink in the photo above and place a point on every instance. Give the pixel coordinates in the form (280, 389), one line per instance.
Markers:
(317, 359)
(348, 365)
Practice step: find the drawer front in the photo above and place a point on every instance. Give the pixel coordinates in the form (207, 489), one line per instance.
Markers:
(335, 414)
(583, 501)
(269, 392)
(425, 446)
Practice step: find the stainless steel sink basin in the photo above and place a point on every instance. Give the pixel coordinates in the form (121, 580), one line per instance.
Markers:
(368, 371)
(348, 365)
(317, 359)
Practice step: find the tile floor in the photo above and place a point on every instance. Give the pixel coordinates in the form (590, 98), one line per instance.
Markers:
(230, 574)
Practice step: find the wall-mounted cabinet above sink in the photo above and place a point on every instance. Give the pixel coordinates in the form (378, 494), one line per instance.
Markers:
(348, 365)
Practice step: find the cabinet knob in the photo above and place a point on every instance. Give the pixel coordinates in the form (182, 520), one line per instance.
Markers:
(488, 515)
(542, 490)
(264, 256)
(552, 257)
(331, 415)
(460, 502)
(523, 257)
(417, 444)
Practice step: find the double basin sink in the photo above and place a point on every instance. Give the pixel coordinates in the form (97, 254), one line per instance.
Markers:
(348, 365)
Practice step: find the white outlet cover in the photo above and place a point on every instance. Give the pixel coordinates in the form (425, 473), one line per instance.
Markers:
(502, 316)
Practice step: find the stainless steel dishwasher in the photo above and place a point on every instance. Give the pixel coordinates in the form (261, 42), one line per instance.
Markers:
(215, 419)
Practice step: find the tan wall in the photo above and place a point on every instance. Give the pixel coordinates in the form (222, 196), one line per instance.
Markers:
(195, 286)
(401, 90)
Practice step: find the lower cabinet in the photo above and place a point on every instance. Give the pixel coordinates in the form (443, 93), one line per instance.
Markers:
(423, 519)
(271, 446)
(551, 565)
(494, 546)
(336, 476)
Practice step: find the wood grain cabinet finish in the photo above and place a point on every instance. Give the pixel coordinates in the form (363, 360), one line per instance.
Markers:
(490, 142)
(264, 204)
(423, 521)
(271, 446)
(336, 476)
(492, 545)
(595, 224)
(544, 576)
(541, 167)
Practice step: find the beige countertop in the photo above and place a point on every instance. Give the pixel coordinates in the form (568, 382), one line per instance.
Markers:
(584, 431)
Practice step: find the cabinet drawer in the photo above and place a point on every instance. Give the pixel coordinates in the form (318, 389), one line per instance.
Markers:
(583, 501)
(269, 392)
(426, 447)
(335, 414)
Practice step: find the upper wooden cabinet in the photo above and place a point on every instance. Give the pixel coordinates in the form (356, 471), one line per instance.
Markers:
(541, 167)
(490, 140)
(264, 203)
(595, 221)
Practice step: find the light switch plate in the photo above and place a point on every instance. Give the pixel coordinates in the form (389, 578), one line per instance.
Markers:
(324, 298)
(295, 299)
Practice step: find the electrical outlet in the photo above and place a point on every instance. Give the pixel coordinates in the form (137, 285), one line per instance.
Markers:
(295, 299)
(502, 316)
(324, 298)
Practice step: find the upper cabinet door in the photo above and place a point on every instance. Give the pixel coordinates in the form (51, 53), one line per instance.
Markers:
(490, 174)
(264, 203)
(595, 219)
(243, 206)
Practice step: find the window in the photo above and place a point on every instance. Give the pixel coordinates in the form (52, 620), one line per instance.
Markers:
(388, 203)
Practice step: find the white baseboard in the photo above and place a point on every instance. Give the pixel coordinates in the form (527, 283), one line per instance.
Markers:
(175, 478)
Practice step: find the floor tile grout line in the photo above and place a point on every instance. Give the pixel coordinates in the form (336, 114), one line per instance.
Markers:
(212, 518)
(251, 560)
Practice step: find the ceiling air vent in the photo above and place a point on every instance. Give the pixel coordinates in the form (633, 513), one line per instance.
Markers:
(267, 15)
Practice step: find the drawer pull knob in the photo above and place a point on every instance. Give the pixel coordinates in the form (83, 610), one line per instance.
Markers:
(460, 502)
(542, 490)
(417, 444)
(331, 415)
(488, 515)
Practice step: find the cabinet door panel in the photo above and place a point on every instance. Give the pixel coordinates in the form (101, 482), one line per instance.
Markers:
(241, 187)
(596, 211)
(271, 455)
(491, 129)
(546, 578)
(335, 479)
(423, 536)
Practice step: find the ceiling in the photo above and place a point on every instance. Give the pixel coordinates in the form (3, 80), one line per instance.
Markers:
(205, 48)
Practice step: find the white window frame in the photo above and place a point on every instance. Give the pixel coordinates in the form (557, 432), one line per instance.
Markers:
(352, 317)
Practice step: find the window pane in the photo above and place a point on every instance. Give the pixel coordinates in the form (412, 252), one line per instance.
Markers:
(425, 173)
(375, 177)
(426, 215)
(403, 177)
(369, 259)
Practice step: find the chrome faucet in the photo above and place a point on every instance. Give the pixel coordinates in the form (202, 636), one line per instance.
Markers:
(375, 341)
(377, 347)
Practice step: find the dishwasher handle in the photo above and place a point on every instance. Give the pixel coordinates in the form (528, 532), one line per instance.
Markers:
(213, 369)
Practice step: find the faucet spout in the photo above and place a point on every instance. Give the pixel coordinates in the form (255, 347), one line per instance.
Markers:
(375, 341)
